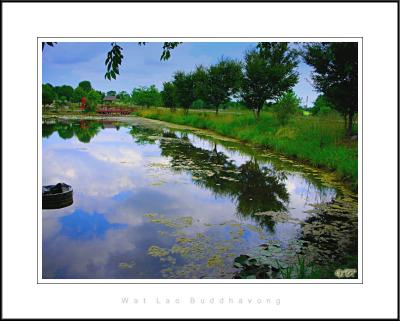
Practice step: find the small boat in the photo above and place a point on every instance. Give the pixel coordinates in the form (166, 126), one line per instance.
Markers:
(56, 196)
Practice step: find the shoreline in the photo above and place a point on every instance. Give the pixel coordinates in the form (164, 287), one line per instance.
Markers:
(205, 132)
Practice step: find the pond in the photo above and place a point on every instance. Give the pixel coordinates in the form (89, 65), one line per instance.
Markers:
(153, 201)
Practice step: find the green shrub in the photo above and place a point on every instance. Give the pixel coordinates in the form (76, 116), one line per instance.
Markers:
(321, 106)
(146, 96)
(199, 104)
(324, 110)
(93, 98)
(286, 106)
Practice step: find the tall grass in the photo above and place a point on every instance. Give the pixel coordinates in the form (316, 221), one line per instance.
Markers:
(319, 141)
(303, 269)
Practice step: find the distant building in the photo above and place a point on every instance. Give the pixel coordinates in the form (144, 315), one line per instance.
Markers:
(109, 99)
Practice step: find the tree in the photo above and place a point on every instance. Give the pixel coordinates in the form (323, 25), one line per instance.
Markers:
(224, 81)
(78, 94)
(336, 75)
(93, 98)
(124, 97)
(321, 105)
(146, 96)
(85, 85)
(168, 94)
(269, 72)
(201, 83)
(101, 94)
(64, 91)
(286, 106)
(60, 102)
(48, 94)
(184, 85)
(111, 93)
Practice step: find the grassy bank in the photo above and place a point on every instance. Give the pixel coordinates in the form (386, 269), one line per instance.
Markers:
(315, 140)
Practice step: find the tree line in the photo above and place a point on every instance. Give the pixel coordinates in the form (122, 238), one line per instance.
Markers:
(267, 72)
(63, 95)
(266, 75)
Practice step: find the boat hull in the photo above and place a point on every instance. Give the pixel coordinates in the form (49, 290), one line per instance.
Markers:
(57, 200)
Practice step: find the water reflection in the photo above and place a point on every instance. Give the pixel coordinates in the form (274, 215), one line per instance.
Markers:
(252, 187)
(83, 226)
(331, 232)
(122, 173)
(84, 130)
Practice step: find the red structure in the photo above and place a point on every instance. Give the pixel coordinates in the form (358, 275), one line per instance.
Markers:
(107, 108)
(110, 111)
(83, 103)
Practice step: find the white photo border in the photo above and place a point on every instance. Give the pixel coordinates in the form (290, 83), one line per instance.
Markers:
(41, 280)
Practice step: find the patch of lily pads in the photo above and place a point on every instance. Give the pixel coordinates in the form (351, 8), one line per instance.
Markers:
(278, 217)
(199, 247)
(328, 236)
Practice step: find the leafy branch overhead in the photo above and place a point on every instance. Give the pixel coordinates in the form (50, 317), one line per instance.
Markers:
(51, 44)
(113, 61)
(167, 47)
(114, 57)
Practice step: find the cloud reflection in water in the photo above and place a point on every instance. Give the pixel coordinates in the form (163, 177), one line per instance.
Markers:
(119, 176)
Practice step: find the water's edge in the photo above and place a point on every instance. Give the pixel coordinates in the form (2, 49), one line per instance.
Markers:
(201, 132)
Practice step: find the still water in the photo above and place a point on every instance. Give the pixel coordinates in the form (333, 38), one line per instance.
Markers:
(154, 202)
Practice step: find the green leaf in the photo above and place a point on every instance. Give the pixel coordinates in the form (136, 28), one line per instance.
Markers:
(252, 261)
(242, 259)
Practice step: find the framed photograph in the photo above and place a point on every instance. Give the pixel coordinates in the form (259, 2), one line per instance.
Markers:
(198, 160)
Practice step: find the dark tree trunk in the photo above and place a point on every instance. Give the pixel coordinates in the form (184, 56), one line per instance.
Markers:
(350, 124)
(258, 113)
(216, 110)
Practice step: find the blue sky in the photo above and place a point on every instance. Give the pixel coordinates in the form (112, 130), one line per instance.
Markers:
(68, 63)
